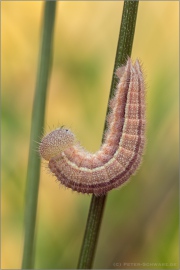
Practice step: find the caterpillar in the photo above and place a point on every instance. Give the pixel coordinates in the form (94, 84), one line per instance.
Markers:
(121, 152)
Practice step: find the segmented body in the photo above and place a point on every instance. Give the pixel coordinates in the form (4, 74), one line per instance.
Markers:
(121, 153)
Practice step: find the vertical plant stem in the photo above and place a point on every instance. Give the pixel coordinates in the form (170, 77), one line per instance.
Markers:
(124, 48)
(33, 173)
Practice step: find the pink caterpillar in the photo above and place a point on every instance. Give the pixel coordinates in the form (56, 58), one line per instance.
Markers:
(120, 154)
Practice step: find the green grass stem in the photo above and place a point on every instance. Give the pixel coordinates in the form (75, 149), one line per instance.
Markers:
(38, 114)
(124, 48)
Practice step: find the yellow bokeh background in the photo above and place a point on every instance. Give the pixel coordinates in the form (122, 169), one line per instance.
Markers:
(140, 223)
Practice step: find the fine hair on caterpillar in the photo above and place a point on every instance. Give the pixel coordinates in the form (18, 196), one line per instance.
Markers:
(121, 152)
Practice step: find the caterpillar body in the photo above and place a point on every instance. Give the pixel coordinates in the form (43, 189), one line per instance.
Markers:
(121, 152)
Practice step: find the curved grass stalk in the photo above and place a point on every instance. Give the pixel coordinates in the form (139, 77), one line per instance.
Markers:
(33, 173)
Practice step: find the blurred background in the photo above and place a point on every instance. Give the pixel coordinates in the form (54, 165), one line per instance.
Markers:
(140, 223)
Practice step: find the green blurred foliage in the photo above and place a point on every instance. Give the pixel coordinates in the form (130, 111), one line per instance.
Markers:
(140, 224)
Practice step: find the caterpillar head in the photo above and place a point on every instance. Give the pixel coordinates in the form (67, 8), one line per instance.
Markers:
(56, 142)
